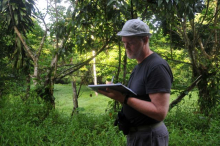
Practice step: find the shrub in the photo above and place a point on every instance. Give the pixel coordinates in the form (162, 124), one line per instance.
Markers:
(188, 127)
(25, 123)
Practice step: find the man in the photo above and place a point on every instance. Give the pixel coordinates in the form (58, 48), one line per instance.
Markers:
(151, 80)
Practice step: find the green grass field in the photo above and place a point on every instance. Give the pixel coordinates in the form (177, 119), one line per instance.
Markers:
(185, 127)
(88, 102)
(28, 123)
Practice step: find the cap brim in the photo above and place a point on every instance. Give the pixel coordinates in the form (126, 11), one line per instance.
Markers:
(122, 33)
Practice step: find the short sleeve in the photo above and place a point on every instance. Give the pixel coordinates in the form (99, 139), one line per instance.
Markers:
(159, 80)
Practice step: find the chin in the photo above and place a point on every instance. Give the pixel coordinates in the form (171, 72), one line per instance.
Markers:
(130, 57)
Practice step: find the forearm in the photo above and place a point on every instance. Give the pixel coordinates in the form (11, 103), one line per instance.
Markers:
(156, 109)
(148, 108)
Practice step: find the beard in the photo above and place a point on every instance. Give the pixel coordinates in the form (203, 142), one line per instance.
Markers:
(133, 54)
(130, 55)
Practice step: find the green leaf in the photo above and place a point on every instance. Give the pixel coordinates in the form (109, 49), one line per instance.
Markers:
(109, 3)
(160, 2)
(16, 19)
(8, 19)
(13, 8)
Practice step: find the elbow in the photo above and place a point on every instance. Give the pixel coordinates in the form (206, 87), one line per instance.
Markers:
(161, 117)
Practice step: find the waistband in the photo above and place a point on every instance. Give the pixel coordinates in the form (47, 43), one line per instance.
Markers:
(146, 127)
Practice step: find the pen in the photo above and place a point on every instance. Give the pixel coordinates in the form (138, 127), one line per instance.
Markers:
(112, 79)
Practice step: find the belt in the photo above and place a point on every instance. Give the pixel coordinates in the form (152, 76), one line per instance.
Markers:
(145, 127)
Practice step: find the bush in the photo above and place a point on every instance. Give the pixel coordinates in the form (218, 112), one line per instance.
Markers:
(188, 127)
(30, 123)
(26, 124)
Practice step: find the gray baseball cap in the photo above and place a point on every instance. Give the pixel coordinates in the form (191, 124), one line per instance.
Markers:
(135, 27)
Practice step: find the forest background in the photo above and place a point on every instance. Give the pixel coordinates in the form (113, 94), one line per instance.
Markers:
(37, 55)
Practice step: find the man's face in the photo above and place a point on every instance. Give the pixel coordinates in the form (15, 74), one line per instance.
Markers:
(133, 46)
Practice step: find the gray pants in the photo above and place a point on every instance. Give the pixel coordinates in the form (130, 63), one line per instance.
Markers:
(158, 136)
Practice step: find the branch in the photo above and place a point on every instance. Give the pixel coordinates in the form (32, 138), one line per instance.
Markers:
(20, 35)
(215, 17)
(187, 40)
(55, 9)
(196, 35)
(207, 7)
(215, 24)
(180, 97)
(25, 45)
(203, 49)
(44, 36)
(102, 64)
(167, 58)
(78, 66)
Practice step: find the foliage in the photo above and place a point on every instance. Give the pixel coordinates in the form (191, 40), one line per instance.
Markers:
(107, 63)
(12, 59)
(24, 123)
(34, 37)
(87, 100)
(192, 128)
(210, 92)
(10, 80)
(92, 25)
(188, 25)
(17, 13)
(178, 60)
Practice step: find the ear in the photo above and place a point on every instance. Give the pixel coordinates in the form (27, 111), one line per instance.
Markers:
(145, 39)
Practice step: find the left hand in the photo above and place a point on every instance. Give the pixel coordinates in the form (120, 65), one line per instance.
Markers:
(113, 95)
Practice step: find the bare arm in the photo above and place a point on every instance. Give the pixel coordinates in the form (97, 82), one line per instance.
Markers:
(156, 109)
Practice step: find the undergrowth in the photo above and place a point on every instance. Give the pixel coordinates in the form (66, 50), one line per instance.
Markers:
(187, 126)
(30, 123)
(26, 123)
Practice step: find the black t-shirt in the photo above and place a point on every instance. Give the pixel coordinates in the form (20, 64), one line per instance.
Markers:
(152, 75)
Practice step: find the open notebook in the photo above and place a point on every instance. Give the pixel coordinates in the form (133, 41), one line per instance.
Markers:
(118, 87)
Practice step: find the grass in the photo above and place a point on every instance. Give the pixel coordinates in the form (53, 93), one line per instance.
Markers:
(97, 104)
(25, 123)
(89, 102)
(185, 125)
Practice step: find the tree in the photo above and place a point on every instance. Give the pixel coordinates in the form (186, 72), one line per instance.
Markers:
(12, 47)
(17, 19)
(92, 25)
(18, 14)
(189, 24)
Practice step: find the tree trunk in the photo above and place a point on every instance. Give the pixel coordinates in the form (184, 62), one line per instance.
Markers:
(35, 76)
(125, 69)
(116, 104)
(75, 98)
(28, 82)
(208, 92)
(119, 64)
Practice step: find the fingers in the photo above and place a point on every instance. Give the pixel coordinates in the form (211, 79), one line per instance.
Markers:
(112, 94)
(108, 92)
(103, 92)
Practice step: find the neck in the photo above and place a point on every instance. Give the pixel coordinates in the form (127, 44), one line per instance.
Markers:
(145, 54)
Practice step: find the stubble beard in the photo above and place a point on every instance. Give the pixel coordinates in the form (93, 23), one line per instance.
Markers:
(130, 55)
(133, 55)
